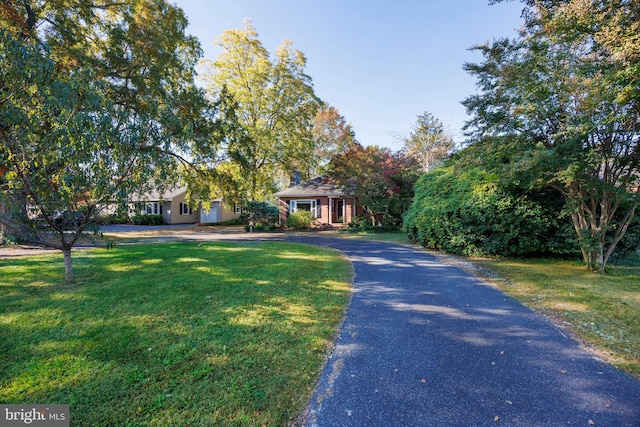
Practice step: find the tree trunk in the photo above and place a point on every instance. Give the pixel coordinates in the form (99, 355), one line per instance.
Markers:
(68, 266)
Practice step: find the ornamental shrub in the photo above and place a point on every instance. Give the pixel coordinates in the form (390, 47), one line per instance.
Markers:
(147, 219)
(260, 216)
(300, 220)
(471, 214)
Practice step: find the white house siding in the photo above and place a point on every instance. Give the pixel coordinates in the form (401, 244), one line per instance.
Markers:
(177, 217)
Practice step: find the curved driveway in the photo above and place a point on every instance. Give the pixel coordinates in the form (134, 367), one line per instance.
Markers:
(426, 344)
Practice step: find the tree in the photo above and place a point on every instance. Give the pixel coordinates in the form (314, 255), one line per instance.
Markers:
(567, 90)
(273, 104)
(331, 135)
(56, 138)
(378, 179)
(428, 142)
(97, 100)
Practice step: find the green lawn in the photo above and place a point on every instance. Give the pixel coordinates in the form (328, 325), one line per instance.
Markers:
(171, 334)
(602, 310)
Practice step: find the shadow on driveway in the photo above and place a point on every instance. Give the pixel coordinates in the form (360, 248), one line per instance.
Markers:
(427, 344)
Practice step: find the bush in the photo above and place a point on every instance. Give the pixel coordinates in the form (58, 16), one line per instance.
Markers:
(471, 214)
(300, 220)
(359, 222)
(6, 239)
(260, 216)
(388, 224)
(630, 242)
(145, 219)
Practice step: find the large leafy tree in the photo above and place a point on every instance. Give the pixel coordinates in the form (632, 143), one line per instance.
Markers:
(332, 135)
(271, 99)
(567, 90)
(98, 100)
(428, 142)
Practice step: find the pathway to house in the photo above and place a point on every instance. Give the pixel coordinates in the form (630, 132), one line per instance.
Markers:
(425, 343)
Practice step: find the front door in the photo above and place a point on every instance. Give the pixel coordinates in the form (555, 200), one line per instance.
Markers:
(337, 211)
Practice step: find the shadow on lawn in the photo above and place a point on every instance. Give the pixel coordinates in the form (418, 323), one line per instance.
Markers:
(169, 334)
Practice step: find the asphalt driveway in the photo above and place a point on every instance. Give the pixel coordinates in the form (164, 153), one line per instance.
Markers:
(425, 343)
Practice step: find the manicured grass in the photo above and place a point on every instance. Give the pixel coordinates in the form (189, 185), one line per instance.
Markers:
(603, 310)
(171, 334)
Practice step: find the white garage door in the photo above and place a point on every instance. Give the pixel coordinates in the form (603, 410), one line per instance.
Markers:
(212, 215)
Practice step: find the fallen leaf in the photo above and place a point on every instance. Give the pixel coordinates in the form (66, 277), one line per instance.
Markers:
(496, 419)
(502, 352)
(606, 405)
(563, 371)
(424, 380)
(591, 423)
(509, 402)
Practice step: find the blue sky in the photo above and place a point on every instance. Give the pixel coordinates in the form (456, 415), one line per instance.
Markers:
(380, 63)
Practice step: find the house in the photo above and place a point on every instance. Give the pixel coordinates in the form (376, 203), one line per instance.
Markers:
(330, 205)
(173, 206)
(218, 212)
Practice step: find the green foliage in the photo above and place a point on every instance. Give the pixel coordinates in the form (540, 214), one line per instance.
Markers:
(385, 223)
(471, 214)
(271, 104)
(147, 219)
(359, 221)
(97, 100)
(567, 90)
(300, 220)
(332, 135)
(260, 216)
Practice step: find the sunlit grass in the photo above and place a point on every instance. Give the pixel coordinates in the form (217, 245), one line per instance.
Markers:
(603, 310)
(399, 237)
(179, 334)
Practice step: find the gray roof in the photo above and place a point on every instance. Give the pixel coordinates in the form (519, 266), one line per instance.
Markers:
(316, 187)
(155, 195)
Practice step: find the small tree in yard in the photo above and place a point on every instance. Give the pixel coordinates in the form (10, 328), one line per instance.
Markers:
(56, 138)
(378, 179)
(96, 100)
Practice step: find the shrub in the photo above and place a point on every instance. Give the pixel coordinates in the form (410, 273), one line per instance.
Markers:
(387, 224)
(359, 221)
(146, 219)
(300, 220)
(471, 214)
(630, 242)
(260, 216)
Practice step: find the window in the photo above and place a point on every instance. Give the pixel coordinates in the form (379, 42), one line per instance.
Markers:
(152, 208)
(306, 205)
(185, 209)
(237, 208)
